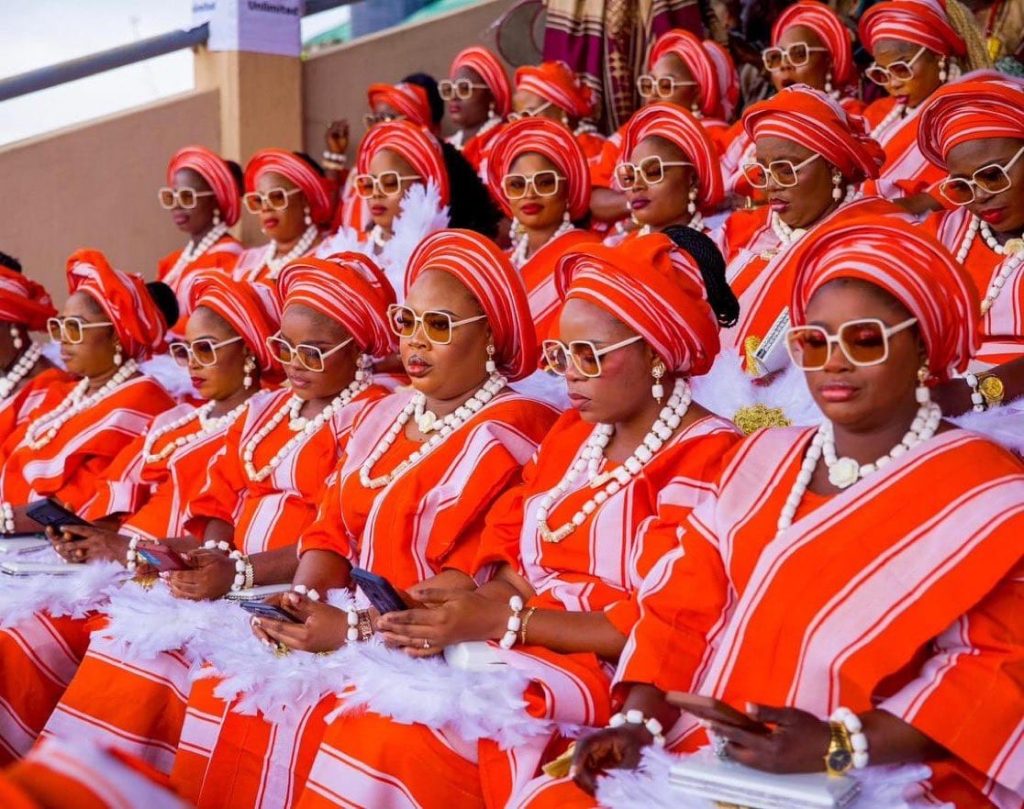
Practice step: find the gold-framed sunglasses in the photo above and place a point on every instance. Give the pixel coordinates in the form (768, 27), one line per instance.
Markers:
(784, 172)
(901, 70)
(864, 342)
(796, 55)
(661, 86)
(528, 113)
(437, 326)
(371, 119)
(584, 355)
(544, 183)
(186, 198)
(203, 351)
(389, 183)
(462, 89)
(276, 199)
(71, 329)
(992, 179)
(310, 357)
(651, 170)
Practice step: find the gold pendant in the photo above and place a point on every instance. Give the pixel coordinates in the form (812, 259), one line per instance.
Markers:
(1014, 246)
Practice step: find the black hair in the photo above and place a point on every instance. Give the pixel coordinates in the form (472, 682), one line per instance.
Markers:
(470, 202)
(712, 269)
(166, 301)
(237, 174)
(429, 83)
(10, 262)
(312, 163)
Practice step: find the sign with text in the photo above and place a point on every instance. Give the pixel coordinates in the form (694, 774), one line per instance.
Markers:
(257, 26)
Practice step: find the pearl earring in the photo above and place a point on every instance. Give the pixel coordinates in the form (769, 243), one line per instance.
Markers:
(567, 217)
(16, 337)
(943, 75)
(922, 393)
(828, 83)
(691, 207)
(490, 366)
(363, 363)
(216, 216)
(308, 219)
(249, 368)
(657, 389)
(837, 182)
(118, 357)
(695, 109)
(491, 113)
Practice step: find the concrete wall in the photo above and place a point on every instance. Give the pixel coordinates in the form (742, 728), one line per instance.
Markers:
(94, 185)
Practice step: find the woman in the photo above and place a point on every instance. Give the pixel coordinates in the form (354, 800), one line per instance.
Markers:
(203, 194)
(914, 43)
(145, 491)
(974, 130)
(293, 199)
(406, 504)
(539, 173)
(593, 514)
(25, 307)
(885, 592)
(262, 489)
(810, 45)
(810, 158)
(670, 171)
(110, 323)
(479, 97)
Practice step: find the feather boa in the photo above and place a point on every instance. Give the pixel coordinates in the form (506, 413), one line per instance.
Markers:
(1004, 425)
(74, 594)
(648, 787)
(173, 377)
(421, 214)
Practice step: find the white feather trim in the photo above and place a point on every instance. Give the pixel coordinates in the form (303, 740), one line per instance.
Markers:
(421, 214)
(648, 787)
(172, 376)
(74, 594)
(51, 351)
(345, 240)
(1004, 425)
(545, 387)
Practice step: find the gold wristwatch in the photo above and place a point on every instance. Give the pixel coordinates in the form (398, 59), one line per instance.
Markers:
(992, 389)
(839, 758)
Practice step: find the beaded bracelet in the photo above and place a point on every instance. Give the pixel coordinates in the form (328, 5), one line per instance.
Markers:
(215, 545)
(335, 160)
(636, 717)
(7, 512)
(858, 740)
(978, 403)
(508, 640)
(243, 571)
(359, 626)
(308, 592)
(131, 560)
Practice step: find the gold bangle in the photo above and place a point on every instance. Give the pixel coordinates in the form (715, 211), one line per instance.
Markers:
(522, 626)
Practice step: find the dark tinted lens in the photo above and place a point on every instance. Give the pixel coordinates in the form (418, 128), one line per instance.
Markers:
(798, 54)
(166, 196)
(187, 197)
(772, 58)
(253, 202)
(446, 89)
(901, 70)
(645, 85)
(809, 346)
(277, 199)
(992, 179)
(389, 183)
(310, 356)
(585, 358)
(879, 75)
(281, 350)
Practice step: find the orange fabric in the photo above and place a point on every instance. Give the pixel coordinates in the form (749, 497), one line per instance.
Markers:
(316, 189)
(921, 22)
(489, 67)
(833, 33)
(414, 144)
(215, 171)
(477, 149)
(541, 285)
(67, 467)
(555, 82)
(905, 172)
(252, 266)
(23, 301)
(16, 408)
(405, 98)
(222, 257)
(926, 600)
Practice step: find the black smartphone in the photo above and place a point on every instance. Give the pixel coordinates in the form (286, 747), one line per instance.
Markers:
(379, 591)
(51, 514)
(264, 610)
(163, 559)
(25, 535)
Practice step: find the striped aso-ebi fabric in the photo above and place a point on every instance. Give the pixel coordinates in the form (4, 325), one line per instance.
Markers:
(550, 140)
(923, 22)
(315, 188)
(405, 98)
(414, 144)
(23, 301)
(489, 67)
(831, 30)
(555, 82)
(718, 92)
(214, 170)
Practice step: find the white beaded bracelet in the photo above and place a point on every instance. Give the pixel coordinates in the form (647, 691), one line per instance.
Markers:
(849, 720)
(243, 572)
(636, 717)
(979, 405)
(508, 640)
(131, 560)
(308, 592)
(214, 545)
(335, 157)
(7, 512)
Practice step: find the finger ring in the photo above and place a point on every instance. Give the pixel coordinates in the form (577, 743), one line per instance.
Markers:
(426, 644)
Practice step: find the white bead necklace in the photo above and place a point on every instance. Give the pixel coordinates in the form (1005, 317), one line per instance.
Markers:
(44, 429)
(451, 423)
(377, 237)
(193, 251)
(590, 459)
(521, 244)
(22, 368)
(207, 426)
(844, 472)
(1014, 249)
(310, 426)
(883, 126)
(276, 263)
(786, 234)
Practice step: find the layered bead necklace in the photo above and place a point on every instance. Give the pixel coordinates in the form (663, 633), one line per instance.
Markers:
(787, 235)
(895, 114)
(449, 424)
(193, 251)
(207, 426)
(22, 368)
(844, 472)
(277, 263)
(1014, 248)
(610, 483)
(302, 427)
(377, 237)
(44, 429)
(696, 223)
(521, 243)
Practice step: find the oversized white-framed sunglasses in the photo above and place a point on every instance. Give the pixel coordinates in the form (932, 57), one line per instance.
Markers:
(310, 357)
(462, 89)
(528, 113)
(437, 326)
(992, 179)
(902, 69)
(388, 183)
(544, 183)
(650, 169)
(274, 199)
(185, 198)
(71, 329)
(203, 351)
(797, 55)
(784, 172)
(371, 119)
(650, 86)
(584, 355)
(864, 342)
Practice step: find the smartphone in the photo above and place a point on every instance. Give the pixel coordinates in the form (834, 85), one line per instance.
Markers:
(263, 610)
(379, 591)
(714, 710)
(163, 558)
(51, 514)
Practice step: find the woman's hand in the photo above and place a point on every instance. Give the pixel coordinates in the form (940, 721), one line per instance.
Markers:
(337, 136)
(322, 628)
(448, 616)
(211, 576)
(797, 743)
(608, 749)
(85, 543)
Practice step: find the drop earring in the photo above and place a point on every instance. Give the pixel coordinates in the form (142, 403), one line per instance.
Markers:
(943, 74)
(490, 366)
(695, 109)
(118, 357)
(16, 337)
(691, 206)
(307, 218)
(828, 83)
(249, 368)
(657, 389)
(216, 216)
(837, 183)
(363, 365)
(922, 393)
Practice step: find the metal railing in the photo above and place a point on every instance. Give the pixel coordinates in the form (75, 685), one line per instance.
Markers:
(85, 66)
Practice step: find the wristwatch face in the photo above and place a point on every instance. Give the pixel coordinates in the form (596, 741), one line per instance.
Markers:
(991, 388)
(839, 760)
